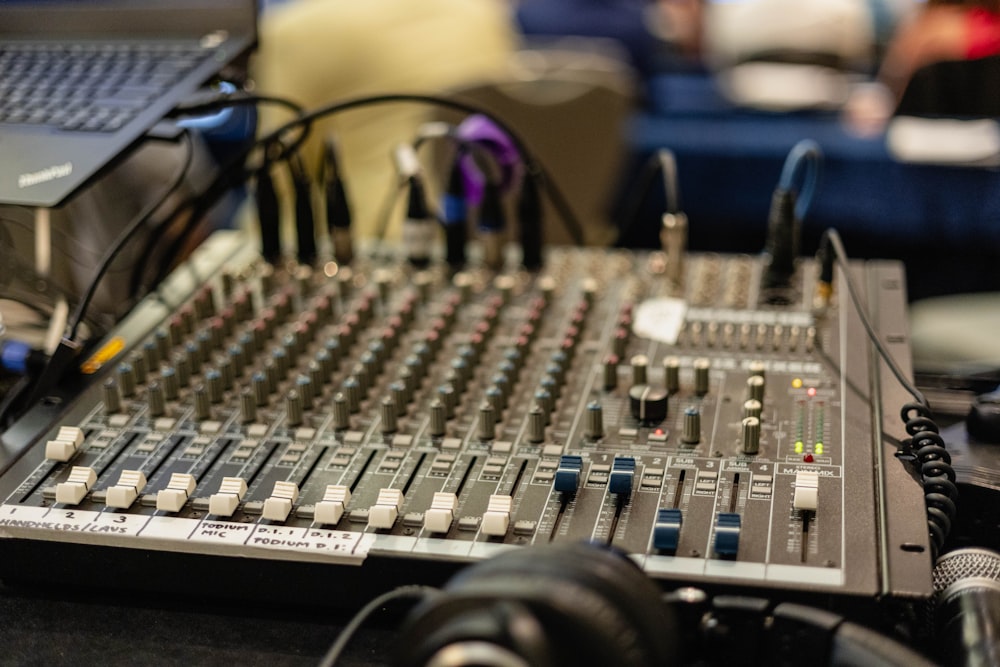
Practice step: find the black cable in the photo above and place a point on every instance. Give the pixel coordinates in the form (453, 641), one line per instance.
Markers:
(336, 204)
(211, 102)
(224, 100)
(305, 226)
(533, 167)
(69, 347)
(789, 206)
(840, 256)
(226, 177)
(937, 474)
(419, 593)
(268, 215)
(220, 101)
(529, 214)
(43, 309)
(484, 159)
(126, 235)
(454, 214)
(925, 442)
(661, 162)
(198, 209)
(236, 171)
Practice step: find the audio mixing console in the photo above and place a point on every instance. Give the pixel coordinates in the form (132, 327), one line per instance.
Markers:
(304, 434)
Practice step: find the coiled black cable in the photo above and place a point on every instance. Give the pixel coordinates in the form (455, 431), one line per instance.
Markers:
(937, 475)
(925, 443)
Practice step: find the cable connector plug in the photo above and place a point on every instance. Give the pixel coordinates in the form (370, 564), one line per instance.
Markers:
(305, 226)
(492, 223)
(782, 247)
(418, 226)
(268, 217)
(674, 240)
(826, 258)
(338, 207)
(20, 358)
(529, 212)
(454, 215)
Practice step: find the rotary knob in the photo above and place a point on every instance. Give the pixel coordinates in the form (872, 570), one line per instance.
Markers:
(648, 404)
(751, 435)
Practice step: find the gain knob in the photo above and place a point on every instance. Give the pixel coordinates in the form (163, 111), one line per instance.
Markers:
(640, 364)
(750, 435)
(755, 388)
(595, 421)
(672, 374)
(341, 412)
(487, 421)
(701, 378)
(691, 432)
(111, 397)
(536, 424)
(648, 404)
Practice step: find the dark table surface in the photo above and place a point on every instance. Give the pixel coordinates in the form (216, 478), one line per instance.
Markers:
(60, 627)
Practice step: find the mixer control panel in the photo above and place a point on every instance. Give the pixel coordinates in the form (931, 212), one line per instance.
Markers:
(719, 433)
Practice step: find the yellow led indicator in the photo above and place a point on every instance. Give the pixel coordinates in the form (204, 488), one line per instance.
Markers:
(799, 447)
(818, 448)
(797, 383)
(103, 355)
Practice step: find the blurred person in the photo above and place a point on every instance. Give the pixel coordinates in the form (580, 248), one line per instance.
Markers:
(320, 51)
(942, 30)
(788, 55)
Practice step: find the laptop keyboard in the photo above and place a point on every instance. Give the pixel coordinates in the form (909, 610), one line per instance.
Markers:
(92, 88)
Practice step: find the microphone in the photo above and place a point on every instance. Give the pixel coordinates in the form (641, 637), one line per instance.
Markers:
(967, 607)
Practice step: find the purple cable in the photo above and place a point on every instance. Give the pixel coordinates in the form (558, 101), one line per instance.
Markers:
(483, 132)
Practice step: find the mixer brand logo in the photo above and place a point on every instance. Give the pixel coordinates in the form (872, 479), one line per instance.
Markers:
(52, 173)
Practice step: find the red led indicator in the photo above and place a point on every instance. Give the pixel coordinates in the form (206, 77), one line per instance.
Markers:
(808, 458)
(811, 391)
(658, 431)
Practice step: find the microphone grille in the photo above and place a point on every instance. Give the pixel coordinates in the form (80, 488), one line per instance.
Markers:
(969, 563)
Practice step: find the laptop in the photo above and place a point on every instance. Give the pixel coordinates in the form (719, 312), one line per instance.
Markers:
(136, 60)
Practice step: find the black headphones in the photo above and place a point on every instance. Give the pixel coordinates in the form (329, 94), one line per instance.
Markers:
(561, 604)
(583, 604)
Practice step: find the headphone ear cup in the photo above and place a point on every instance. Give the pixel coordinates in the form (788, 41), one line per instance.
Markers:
(592, 606)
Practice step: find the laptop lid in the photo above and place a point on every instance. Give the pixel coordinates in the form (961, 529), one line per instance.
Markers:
(42, 165)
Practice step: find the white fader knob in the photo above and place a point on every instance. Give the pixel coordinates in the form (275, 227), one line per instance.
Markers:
(279, 505)
(124, 493)
(496, 519)
(329, 510)
(806, 490)
(386, 508)
(65, 444)
(80, 481)
(230, 494)
(178, 490)
(438, 518)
